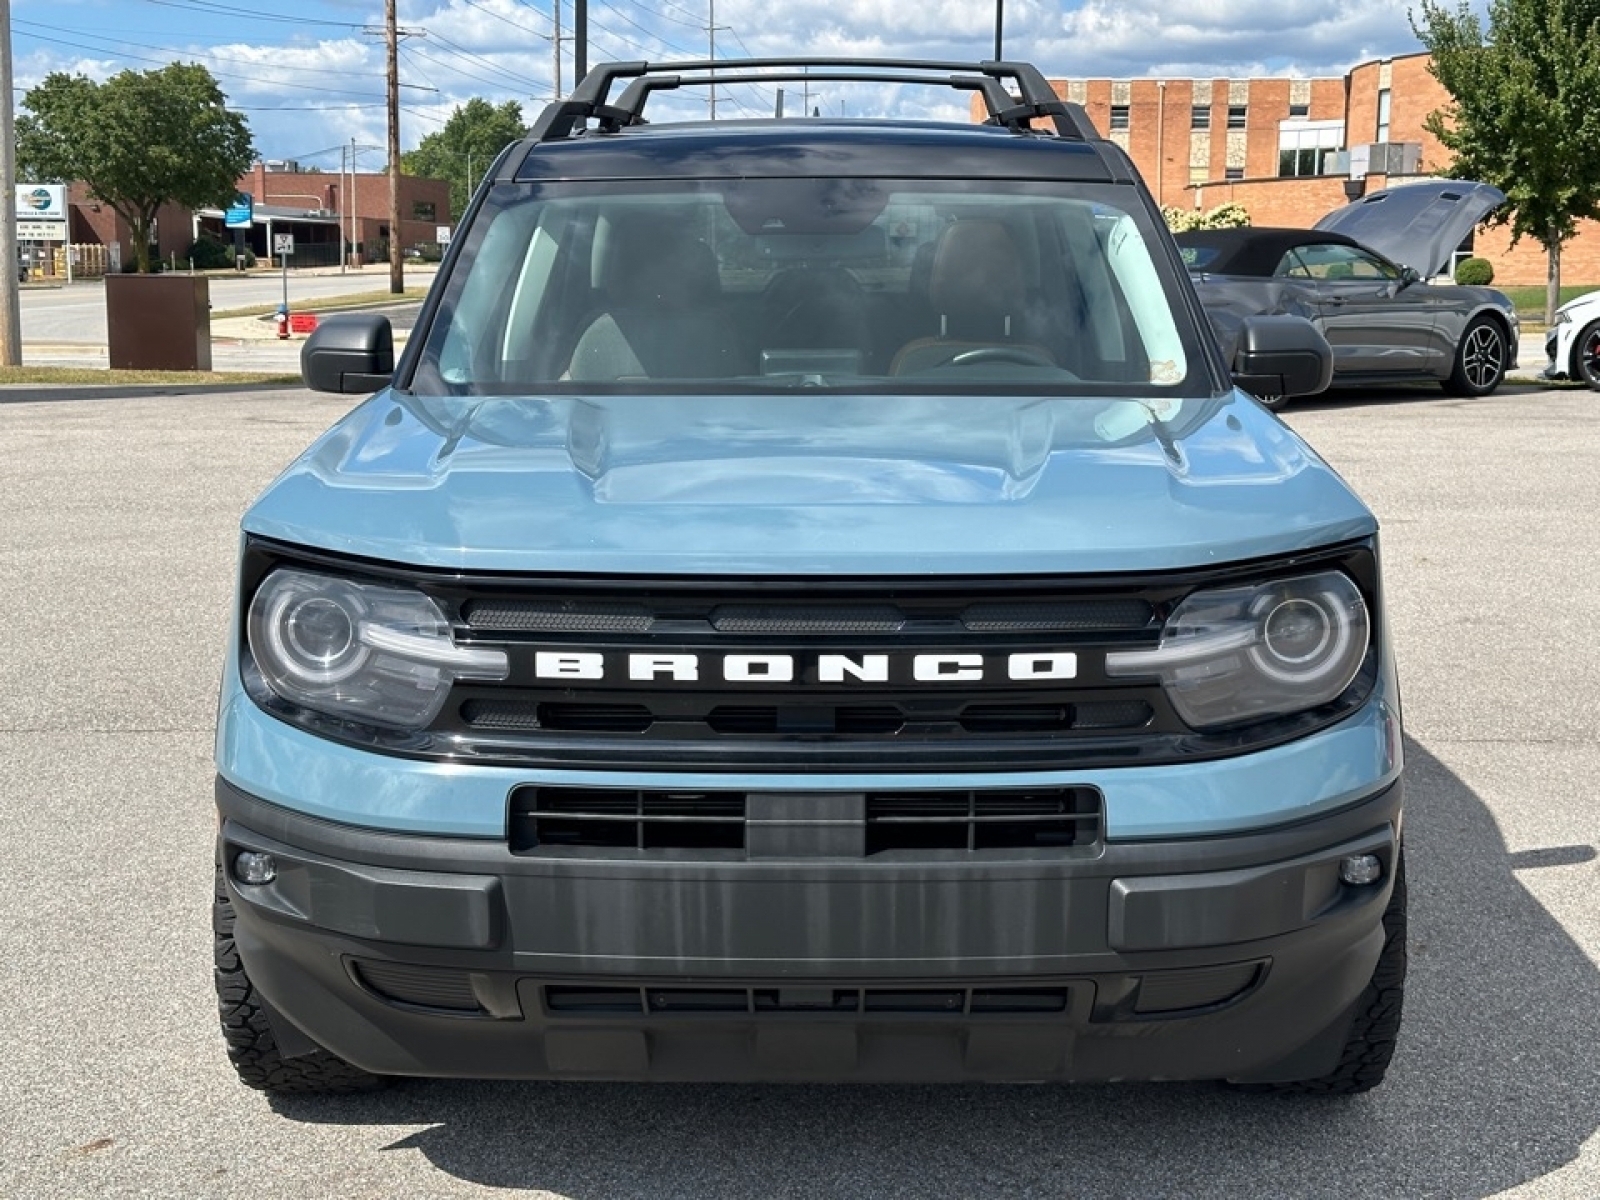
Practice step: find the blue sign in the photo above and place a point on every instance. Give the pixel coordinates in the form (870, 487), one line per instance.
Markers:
(241, 212)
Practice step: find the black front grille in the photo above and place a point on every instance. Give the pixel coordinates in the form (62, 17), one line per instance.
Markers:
(618, 818)
(556, 819)
(1047, 819)
(931, 675)
(821, 999)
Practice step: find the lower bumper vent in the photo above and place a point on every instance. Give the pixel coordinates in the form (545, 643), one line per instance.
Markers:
(674, 1001)
(422, 987)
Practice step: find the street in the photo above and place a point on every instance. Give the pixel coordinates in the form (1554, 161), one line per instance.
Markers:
(118, 533)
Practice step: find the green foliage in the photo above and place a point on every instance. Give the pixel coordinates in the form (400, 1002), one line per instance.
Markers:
(1475, 272)
(1525, 111)
(209, 254)
(140, 140)
(1224, 216)
(469, 143)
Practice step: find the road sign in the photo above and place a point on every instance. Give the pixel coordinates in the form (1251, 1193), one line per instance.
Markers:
(441, 234)
(241, 212)
(283, 244)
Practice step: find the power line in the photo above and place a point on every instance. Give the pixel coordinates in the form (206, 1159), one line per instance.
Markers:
(273, 83)
(250, 62)
(208, 6)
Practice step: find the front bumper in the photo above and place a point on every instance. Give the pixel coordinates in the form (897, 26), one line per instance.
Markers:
(1237, 957)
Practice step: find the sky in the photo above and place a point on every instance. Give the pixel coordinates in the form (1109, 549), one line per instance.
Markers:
(309, 74)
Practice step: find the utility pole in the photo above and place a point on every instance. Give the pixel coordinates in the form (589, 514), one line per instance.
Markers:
(10, 302)
(711, 34)
(351, 207)
(580, 39)
(555, 42)
(397, 274)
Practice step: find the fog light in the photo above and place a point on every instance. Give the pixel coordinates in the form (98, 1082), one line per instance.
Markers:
(1360, 869)
(251, 867)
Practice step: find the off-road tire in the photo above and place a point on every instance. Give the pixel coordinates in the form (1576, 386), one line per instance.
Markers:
(1586, 356)
(1376, 1027)
(1480, 362)
(251, 1046)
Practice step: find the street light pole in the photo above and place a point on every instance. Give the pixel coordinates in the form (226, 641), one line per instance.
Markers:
(397, 277)
(10, 302)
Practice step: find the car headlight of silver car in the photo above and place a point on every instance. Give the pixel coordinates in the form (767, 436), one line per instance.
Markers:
(379, 655)
(1239, 654)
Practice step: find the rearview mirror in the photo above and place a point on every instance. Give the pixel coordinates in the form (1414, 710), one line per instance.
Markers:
(349, 353)
(1282, 356)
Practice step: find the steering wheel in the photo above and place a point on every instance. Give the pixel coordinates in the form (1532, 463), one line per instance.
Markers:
(1022, 355)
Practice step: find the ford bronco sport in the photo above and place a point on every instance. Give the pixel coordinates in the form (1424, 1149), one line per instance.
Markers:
(810, 602)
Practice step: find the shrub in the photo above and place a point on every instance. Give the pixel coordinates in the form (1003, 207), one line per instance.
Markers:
(209, 254)
(1225, 216)
(1475, 272)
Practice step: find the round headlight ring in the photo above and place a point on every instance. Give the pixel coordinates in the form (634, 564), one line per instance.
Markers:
(296, 619)
(1286, 620)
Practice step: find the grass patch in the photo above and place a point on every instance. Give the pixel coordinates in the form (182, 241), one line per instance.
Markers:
(326, 303)
(1529, 300)
(90, 375)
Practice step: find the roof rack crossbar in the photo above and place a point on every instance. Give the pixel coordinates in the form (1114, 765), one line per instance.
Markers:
(590, 99)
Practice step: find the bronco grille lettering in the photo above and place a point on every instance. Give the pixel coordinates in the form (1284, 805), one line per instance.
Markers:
(1032, 666)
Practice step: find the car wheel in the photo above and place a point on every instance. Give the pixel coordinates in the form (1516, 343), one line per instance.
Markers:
(251, 1046)
(1275, 403)
(1480, 360)
(1586, 356)
(1376, 1027)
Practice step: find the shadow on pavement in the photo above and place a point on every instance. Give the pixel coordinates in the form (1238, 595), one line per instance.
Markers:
(36, 393)
(1497, 1082)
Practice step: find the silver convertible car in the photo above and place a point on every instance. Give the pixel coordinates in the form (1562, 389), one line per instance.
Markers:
(1361, 277)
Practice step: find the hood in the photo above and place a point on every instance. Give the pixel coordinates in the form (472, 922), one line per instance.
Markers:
(1584, 304)
(1417, 225)
(808, 485)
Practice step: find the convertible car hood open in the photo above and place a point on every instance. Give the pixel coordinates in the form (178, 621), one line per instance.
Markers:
(1417, 225)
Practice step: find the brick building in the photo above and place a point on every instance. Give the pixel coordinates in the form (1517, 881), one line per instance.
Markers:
(1289, 150)
(307, 204)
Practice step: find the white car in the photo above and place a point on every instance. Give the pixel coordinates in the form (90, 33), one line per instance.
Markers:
(1572, 344)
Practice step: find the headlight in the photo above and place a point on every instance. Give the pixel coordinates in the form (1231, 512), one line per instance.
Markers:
(1246, 653)
(379, 655)
(1562, 317)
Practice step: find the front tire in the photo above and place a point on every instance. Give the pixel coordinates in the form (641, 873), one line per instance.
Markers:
(1375, 1030)
(1480, 364)
(1586, 356)
(252, 1048)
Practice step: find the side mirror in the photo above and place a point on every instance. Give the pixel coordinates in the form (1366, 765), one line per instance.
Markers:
(349, 352)
(1408, 276)
(1282, 356)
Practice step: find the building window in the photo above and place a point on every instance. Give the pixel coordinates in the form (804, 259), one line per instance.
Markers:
(1119, 116)
(1383, 115)
(423, 210)
(1200, 116)
(1309, 147)
(1236, 116)
(1300, 111)
(1233, 173)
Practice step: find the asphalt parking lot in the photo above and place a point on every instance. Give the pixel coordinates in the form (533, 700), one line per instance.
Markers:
(117, 536)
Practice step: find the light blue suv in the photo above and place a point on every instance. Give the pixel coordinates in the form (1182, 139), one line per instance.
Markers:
(810, 602)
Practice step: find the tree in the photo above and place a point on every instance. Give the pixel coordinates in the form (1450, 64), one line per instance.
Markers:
(1525, 112)
(466, 147)
(140, 140)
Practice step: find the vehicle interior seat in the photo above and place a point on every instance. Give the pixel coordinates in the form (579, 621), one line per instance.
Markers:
(816, 308)
(661, 313)
(979, 292)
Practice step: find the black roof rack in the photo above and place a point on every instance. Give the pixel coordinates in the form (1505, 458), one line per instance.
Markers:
(591, 99)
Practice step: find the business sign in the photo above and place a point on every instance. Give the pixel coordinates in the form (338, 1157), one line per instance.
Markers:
(41, 202)
(241, 212)
(41, 231)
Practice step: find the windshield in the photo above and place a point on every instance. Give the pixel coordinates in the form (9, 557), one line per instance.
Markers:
(729, 286)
